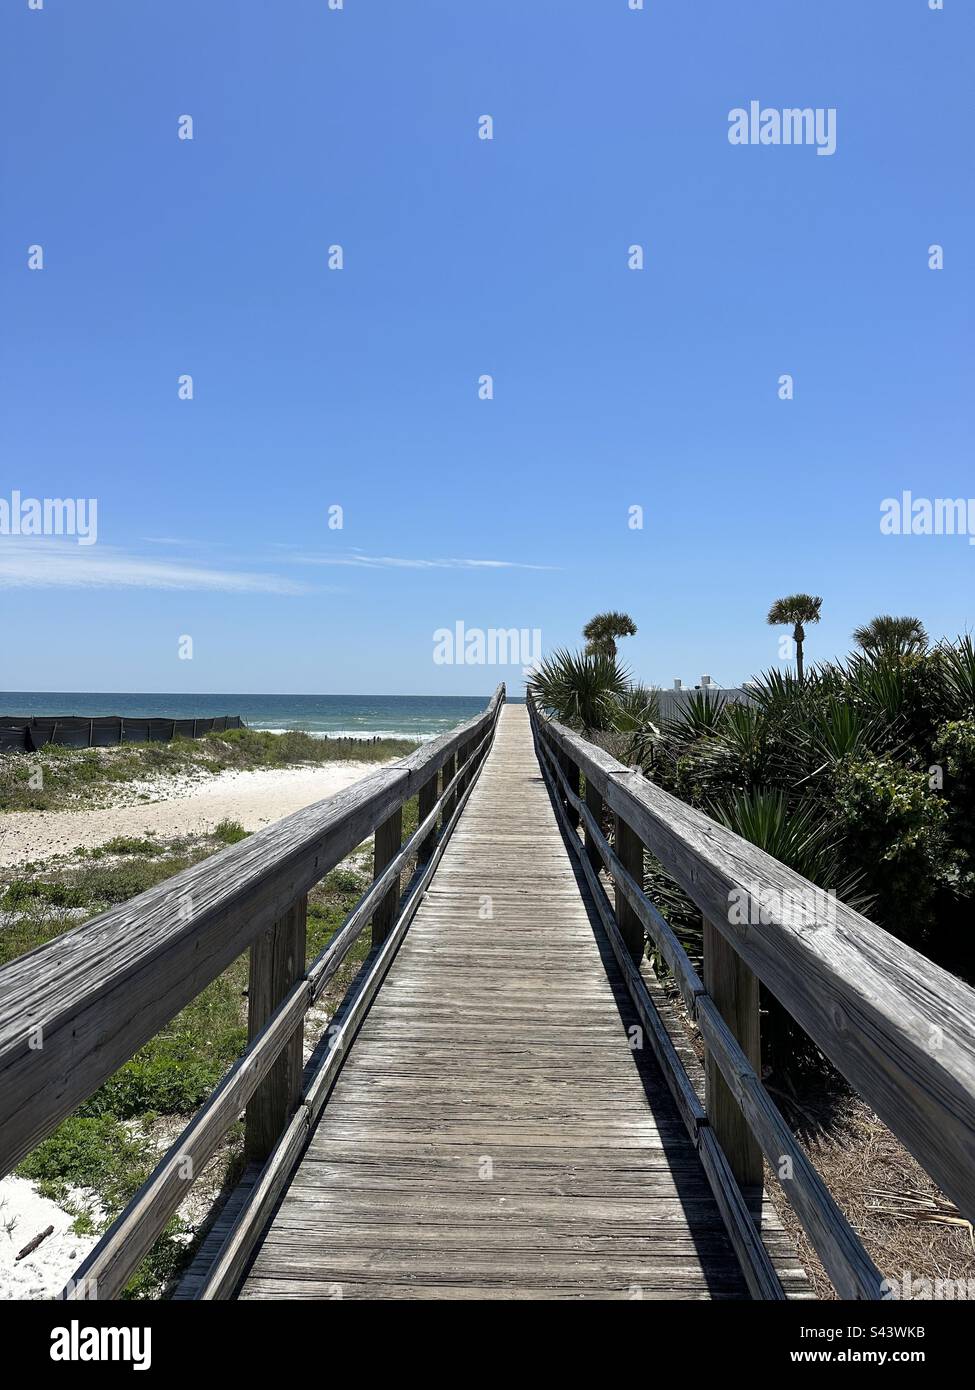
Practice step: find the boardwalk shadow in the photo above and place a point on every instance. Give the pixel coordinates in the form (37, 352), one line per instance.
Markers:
(693, 1190)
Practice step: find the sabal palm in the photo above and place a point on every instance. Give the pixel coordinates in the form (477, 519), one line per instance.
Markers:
(887, 636)
(602, 631)
(796, 610)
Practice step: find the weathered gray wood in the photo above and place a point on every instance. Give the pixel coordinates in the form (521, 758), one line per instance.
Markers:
(629, 851)
(229, 1263)
(449, 772)
(734, 990)
(573, 779)
(762, 1279)
(852, 1272)
(191, 1281)
(757, 1267)
(898, 1027)
(108, 1267)
(389, 839)
(67, 1020)
(426, 801)
(594, 805)
(502, 1038)
(277, 964)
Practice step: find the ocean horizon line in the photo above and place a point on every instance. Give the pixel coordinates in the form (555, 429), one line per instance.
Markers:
(365, 716)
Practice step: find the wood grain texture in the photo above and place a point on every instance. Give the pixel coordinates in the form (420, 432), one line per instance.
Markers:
(897, 1026)
(734, 990)
(492, 1132)
(74, 1010)
(386, 846)
(756, 1262)
(277, 964)
(853, 1273)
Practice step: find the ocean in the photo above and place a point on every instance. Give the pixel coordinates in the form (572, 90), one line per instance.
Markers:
(342, 716)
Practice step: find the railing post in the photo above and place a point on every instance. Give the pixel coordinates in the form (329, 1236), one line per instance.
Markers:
(277, 962)
(425, 803)
(386, 846)
(449, 768)
(463, 753)
(734, 989)
(629, 850)
(574, 779)
(594, 805)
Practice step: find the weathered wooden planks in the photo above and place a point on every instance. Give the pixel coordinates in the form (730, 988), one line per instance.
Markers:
(897, 1026)
(492, 1133)
(74, 1010)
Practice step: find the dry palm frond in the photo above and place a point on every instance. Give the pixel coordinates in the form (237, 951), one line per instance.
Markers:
(914, 1205)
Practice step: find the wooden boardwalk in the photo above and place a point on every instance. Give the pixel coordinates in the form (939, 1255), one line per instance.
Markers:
(492, 1134)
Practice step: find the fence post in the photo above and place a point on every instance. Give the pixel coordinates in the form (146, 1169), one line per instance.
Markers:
(629, 850)
(594, 805)
(734, 989)
(463, 753)
(277, 962)
(425, 803)
(449, 768)
(387, 844)
(574, 778)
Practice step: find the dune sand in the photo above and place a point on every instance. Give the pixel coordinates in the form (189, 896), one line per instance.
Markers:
(176, 807)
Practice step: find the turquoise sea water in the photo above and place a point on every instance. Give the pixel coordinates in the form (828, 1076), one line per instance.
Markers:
(402, 716)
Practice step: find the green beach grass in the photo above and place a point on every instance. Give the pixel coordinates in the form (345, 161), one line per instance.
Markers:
(58, 778)
(96, 1159)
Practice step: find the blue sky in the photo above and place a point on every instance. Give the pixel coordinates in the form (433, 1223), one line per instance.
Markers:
(358, 387)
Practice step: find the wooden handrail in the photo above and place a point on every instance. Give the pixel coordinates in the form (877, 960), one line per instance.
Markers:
(118, 1254)
(897, 1026)
(76, 1009)
(224, 1274)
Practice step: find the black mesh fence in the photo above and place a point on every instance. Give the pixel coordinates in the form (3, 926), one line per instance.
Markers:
(25, 734)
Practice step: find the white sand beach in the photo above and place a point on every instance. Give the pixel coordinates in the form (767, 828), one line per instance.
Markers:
(176, 806)
(24, 1215)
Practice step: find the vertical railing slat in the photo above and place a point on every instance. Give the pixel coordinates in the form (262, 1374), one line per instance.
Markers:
(734, 990)
(389, 838)
(277, 962)
(629, 850)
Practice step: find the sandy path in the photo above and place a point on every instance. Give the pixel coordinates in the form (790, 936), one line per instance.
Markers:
(254, 798)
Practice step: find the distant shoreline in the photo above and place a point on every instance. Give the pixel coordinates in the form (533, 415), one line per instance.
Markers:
(420, 717)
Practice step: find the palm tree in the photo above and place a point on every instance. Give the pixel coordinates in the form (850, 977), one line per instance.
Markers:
(580, 689)
(602, 631)
(887, 636)
(796, 610)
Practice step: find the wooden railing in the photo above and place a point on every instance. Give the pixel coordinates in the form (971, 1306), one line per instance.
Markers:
(899, 1028)
(76, 1009)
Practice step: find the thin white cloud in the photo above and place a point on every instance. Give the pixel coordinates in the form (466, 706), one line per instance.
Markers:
(358, 560)
(35, 563)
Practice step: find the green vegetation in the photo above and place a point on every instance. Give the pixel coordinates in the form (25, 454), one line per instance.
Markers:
(109, 1146)
(603, 631)
(230, 832)
(886, 636)
(583, 689)
(795, 611)
(860, 774)
(59, 777)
